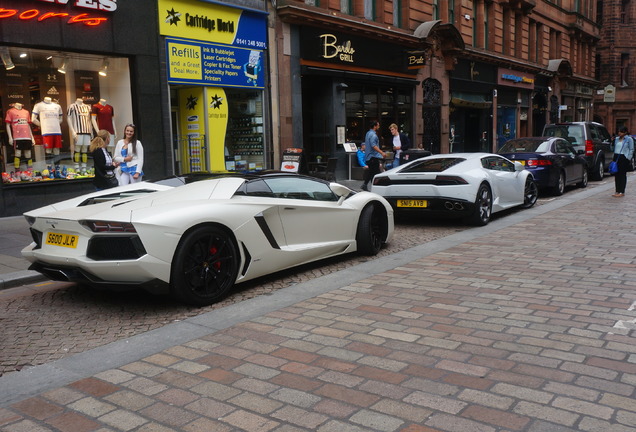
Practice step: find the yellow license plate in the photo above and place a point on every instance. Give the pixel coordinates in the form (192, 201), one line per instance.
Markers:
(64, 240)
(412, 203)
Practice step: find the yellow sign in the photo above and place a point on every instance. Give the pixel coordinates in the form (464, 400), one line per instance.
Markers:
(195, 20)
(192, 128)
(217, 126)
(185, 61)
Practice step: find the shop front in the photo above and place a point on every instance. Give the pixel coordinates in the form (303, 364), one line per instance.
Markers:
(216, 70)
(346, 82)
(68, 70)
(472, 87)
(513, 104)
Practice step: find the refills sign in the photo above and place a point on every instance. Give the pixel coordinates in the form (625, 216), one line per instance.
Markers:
(345, 51)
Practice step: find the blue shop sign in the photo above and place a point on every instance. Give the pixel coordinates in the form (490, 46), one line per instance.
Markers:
(201, 63)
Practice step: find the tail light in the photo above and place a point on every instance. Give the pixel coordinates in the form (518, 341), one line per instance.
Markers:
(108, 226)
(448, 180)
(589, 147)
(381, 181)
(538, 162)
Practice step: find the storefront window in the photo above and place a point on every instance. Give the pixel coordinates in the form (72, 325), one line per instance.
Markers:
(53, 104)
(362, 106)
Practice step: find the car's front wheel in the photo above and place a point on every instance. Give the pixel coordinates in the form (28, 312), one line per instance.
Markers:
(205, 266)
(369, 235)
(530, 193)
(483, 207)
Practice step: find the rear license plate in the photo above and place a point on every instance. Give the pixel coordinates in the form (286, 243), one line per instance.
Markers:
(412, 203)
(64, 240)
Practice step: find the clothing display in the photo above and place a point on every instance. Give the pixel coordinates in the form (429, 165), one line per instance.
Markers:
(79, 116)
(104, 114)
(48, 115)
(20, 121)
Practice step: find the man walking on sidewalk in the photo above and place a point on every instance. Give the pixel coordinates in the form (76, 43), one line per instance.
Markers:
(374, 154)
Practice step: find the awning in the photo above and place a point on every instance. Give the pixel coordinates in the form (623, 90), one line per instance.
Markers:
(470, 100)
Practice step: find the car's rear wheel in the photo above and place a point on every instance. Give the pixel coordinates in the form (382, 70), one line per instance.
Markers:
(530, 193)
(370, 233)
(205, 266)
(559, 187)
(583, 182)
(483, 207)
(599, 170)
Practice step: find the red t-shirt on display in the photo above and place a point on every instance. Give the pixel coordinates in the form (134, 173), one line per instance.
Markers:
(104, 115)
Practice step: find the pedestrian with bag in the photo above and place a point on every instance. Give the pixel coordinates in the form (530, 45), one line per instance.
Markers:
(623, 152)
(373, 154)
(103, 164)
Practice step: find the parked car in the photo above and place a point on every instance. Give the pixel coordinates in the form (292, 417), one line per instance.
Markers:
(553, 162)
(196, 239)
(471, 186)
(591, 137)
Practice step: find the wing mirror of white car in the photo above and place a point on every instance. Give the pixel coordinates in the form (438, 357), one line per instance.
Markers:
(341, 191)
(519, 166)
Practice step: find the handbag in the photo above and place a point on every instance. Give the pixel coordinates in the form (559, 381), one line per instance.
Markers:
(613, 167)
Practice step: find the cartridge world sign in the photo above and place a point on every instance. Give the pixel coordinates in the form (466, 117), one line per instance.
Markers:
(338, 50)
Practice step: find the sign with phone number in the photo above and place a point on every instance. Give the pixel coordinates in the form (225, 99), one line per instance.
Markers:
(201, 63)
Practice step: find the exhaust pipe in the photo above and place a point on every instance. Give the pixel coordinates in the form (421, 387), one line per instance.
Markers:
(450, 205)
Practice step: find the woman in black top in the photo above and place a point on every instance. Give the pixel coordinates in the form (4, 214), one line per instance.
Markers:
(103, 164)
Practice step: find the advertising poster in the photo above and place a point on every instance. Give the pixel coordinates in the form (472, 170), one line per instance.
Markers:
(87, 86)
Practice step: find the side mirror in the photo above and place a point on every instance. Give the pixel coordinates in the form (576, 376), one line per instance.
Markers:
(519, 166)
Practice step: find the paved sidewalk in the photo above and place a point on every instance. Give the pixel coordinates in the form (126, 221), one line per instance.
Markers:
(527, 324)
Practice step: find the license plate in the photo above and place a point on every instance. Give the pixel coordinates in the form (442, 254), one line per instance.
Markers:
(412, 203)
(64, 240)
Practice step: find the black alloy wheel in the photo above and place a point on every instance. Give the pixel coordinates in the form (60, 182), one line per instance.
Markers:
(483, 207)
(205, 266)
(530, 193)
(369, 234)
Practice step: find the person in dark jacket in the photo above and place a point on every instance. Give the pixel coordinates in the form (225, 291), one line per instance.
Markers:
(103, 163)
(400, 143)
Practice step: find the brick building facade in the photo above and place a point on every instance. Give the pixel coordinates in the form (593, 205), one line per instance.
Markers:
(455, 76)
(615, 103)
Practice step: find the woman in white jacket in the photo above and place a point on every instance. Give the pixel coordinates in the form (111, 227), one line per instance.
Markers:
(129, 152)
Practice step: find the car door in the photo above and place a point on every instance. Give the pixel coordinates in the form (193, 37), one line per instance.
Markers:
(505, 181)
(566, 155)
(310, 213)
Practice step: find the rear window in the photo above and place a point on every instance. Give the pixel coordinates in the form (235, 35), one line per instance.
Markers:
(574, 132)
(516, 146)
(432, 165)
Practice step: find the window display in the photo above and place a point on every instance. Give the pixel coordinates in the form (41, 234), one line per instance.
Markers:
(48, 136)
(244, 139)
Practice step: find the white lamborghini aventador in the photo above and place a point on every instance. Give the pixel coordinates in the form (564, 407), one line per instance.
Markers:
(196, 239)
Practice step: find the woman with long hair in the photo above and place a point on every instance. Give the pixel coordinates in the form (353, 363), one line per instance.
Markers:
(103, 162)
(129, 152)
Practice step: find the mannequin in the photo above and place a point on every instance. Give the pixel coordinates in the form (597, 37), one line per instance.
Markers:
(79, 121)
(102, 116)
(20, 135)
(49, 115)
